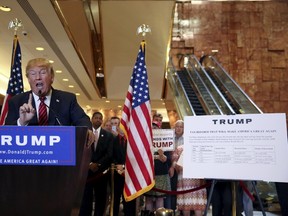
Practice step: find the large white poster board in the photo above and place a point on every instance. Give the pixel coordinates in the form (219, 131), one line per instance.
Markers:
(236, 147)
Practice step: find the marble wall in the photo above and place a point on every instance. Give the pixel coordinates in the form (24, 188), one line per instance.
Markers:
(252, 43)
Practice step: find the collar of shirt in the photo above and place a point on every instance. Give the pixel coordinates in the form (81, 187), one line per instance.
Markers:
(98, 130)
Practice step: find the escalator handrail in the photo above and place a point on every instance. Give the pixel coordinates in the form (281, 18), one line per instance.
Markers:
(232, 80)
(213, 84)
(208, 92)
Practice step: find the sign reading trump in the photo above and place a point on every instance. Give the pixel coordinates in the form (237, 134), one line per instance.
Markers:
(163, 139)
(37, 145)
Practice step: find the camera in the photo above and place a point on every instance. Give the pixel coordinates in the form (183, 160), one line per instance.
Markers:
(25, 33)
(114, 128)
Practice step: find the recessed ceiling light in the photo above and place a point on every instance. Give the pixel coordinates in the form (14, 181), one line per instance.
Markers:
(71, 86)
(51, 61)
(5, 8)
(99, 75)
(65, 80)
(39, 48)
(107, 101)
(58, 71)
(119, 106)
(77, 94)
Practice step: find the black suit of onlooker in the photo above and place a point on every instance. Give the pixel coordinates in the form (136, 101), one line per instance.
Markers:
(222, 199)
(97, 181)
(119, 156)
(282, 191)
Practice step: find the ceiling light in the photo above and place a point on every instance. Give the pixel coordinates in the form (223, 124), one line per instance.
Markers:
(107, 101)
(39, 48)
(65, 80)
(184, 23)
(119, 106)
(77, 94)
(71, 86)
(58, 71)
(214, 51)
(99, 75)
(5, 8)
(196, 2)
(51, 61)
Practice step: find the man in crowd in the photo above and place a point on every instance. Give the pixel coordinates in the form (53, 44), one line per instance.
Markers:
(96, 186)
(119, 157)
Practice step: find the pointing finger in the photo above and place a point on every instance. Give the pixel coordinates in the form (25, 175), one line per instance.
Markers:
(30, 100)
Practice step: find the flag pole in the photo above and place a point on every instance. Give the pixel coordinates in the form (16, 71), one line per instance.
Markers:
(137, 126)
(15, 85)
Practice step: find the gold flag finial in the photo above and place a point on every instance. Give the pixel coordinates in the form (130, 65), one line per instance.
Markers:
(143, 29)
(15, 24)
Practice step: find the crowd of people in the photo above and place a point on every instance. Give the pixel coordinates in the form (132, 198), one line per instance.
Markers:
(108, 146)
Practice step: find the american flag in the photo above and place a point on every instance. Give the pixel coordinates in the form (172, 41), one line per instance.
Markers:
(15, 85)
(136, 122)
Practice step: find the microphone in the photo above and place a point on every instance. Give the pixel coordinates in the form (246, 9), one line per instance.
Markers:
(56, 116)
(50, 109)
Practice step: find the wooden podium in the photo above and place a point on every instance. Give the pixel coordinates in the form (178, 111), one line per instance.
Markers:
(45, 190)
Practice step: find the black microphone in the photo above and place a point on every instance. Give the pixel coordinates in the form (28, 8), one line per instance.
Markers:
(50, 109)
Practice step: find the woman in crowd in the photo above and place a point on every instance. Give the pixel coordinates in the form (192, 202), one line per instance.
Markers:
(192, 201)
(154, 199)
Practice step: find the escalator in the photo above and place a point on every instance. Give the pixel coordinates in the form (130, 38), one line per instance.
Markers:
(191, 93)
(208, 89)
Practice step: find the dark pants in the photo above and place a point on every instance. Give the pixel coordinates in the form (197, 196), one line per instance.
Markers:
(173, 182)
(222, 199)
(129, 207)
(99, 189)
(282, 191)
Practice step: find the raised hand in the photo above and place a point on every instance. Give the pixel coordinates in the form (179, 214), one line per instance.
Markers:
(26, 112)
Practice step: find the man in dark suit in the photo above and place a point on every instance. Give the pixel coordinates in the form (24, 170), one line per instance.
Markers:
(102, 151)
(119, 157)
(61, 107)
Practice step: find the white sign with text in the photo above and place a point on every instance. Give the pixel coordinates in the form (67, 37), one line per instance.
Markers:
(236, 147)
(163, 139)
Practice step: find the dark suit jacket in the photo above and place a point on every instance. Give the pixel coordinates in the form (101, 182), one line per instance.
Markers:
(104, 150)
(119, 150)
(63, 105)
